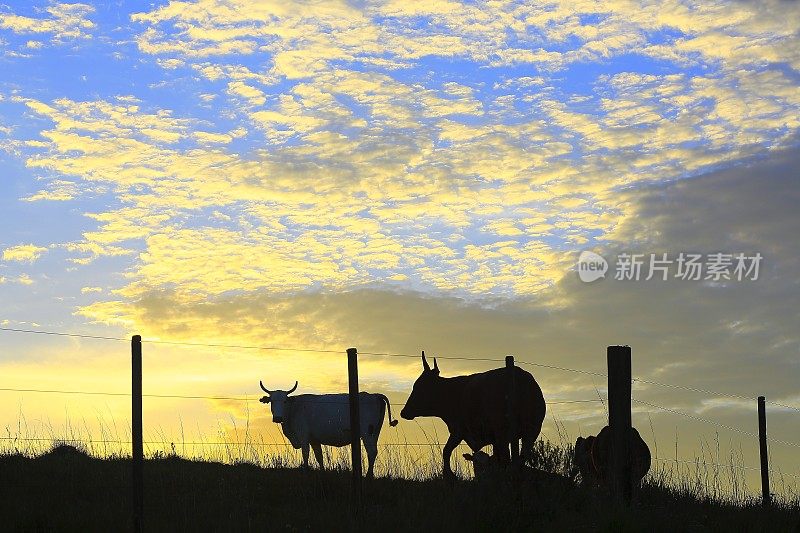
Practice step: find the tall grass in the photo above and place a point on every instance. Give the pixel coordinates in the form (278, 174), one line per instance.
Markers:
(708, 477)
(77, 481)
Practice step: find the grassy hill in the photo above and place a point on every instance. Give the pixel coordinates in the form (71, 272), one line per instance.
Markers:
(67, 490)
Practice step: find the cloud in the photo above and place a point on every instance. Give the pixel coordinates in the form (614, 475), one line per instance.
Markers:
(87, 290)
(24, 279)
(23, 253)
(327, 154)
(746, 325)
(251, 94)
(56, 190)
(64, 21)
(301, 40)
(368, 177)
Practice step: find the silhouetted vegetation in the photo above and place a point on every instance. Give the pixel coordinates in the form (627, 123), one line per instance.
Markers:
(69, 490)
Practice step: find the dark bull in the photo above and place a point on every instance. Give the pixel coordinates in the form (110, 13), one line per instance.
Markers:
(474, 409)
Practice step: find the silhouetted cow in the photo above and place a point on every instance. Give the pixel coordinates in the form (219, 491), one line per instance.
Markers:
(310, 420)
(474, 409)
(592, 458)
(486, 468)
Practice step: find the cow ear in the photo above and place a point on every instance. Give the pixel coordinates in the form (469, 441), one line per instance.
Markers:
(425, 366)
(469, 457)
(435, 366)
(264, 399)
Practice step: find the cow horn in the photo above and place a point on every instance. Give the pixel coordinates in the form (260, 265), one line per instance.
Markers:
(264, 388)
(435, 366)
(288, 392)
(425, 364)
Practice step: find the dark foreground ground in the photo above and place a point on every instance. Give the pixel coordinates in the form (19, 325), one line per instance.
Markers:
(66, 490)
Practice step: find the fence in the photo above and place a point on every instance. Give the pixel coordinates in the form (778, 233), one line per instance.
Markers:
(619, 376)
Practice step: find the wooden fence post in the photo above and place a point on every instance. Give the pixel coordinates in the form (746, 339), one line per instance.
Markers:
(355, 425)
(136, 432)
(619, 419)
(766, 498)
(511, 412)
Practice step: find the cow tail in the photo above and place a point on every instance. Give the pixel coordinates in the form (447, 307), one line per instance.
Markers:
(392, 423)
(594, 462)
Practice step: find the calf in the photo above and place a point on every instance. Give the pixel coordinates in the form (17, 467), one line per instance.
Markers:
(592, 458)
(487, 468)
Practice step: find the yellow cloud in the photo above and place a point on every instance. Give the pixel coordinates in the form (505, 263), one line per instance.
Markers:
(251, 94)
(65, 21)
(207, 137)
(356, 175)
(57, 190)
(24, 253)
(88, 290)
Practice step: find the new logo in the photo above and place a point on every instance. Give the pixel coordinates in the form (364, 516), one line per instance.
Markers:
(591, 266)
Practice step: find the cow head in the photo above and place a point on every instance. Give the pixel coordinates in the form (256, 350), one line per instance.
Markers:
(277, 399)
(423, 399)
(482, 463)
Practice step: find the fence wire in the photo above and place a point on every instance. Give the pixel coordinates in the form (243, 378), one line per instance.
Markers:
(389, 354)
(237, 398)
(714, 423)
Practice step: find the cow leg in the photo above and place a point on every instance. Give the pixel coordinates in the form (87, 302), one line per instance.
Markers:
(449, 446)
(305, 455)
(528, 439)
(317, 448)
(514, 444)
(501, 452)
(527, 448)
(372, 452)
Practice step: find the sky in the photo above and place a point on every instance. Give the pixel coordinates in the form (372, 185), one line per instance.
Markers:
(401, 176)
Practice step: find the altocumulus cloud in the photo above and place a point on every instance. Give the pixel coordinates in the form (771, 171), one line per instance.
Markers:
(23, 253)
(737, 337)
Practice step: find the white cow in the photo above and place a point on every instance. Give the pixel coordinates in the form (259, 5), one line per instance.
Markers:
(310, 420)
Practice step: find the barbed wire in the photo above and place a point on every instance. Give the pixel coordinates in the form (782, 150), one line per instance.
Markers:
(240, 346)
(684, 387)
(394, 404)
(714, 423)
(177, 444)
(198, 397)
(60, 334)
(554, 367)
(697, 462)
(712, 393)
(698, 418)
(723, 466)
(104, 393)
(294, 349)
(390, 354)
(378, 354)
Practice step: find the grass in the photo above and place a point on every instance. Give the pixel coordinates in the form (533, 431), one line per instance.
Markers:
(247, 487)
